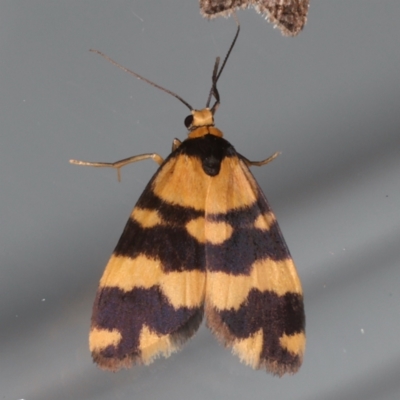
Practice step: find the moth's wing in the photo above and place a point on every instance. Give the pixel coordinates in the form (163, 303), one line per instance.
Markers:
(150, 297)
(289, 16)
(254, 300)
(216, 8)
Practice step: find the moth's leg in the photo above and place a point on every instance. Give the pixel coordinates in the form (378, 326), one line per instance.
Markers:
(175, 144)
(263, 162)
(121, 163)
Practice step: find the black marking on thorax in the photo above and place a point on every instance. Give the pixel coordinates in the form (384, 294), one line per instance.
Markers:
(210, 149)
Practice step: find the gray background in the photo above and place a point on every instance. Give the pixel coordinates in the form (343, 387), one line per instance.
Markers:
(328, 100)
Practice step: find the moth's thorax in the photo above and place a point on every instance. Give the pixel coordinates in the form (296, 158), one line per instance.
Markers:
(205, 130)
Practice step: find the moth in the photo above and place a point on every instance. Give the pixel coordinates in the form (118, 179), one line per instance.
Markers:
(202, 240)
(289, 16)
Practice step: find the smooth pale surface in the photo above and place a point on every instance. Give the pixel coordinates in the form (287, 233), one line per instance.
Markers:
(327, 99)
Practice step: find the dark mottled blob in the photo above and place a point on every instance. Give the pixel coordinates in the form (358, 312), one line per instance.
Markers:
(177, 250)
(289, 15)
(214, 7)
(129, 311)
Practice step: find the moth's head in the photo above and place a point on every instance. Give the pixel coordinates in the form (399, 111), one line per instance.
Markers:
(203, 120)
(199, 118)
(201, 123)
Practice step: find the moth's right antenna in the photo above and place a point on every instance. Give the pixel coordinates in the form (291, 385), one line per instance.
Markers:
(217, 74)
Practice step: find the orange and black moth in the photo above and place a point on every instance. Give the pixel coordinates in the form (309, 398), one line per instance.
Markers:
(202, 241)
